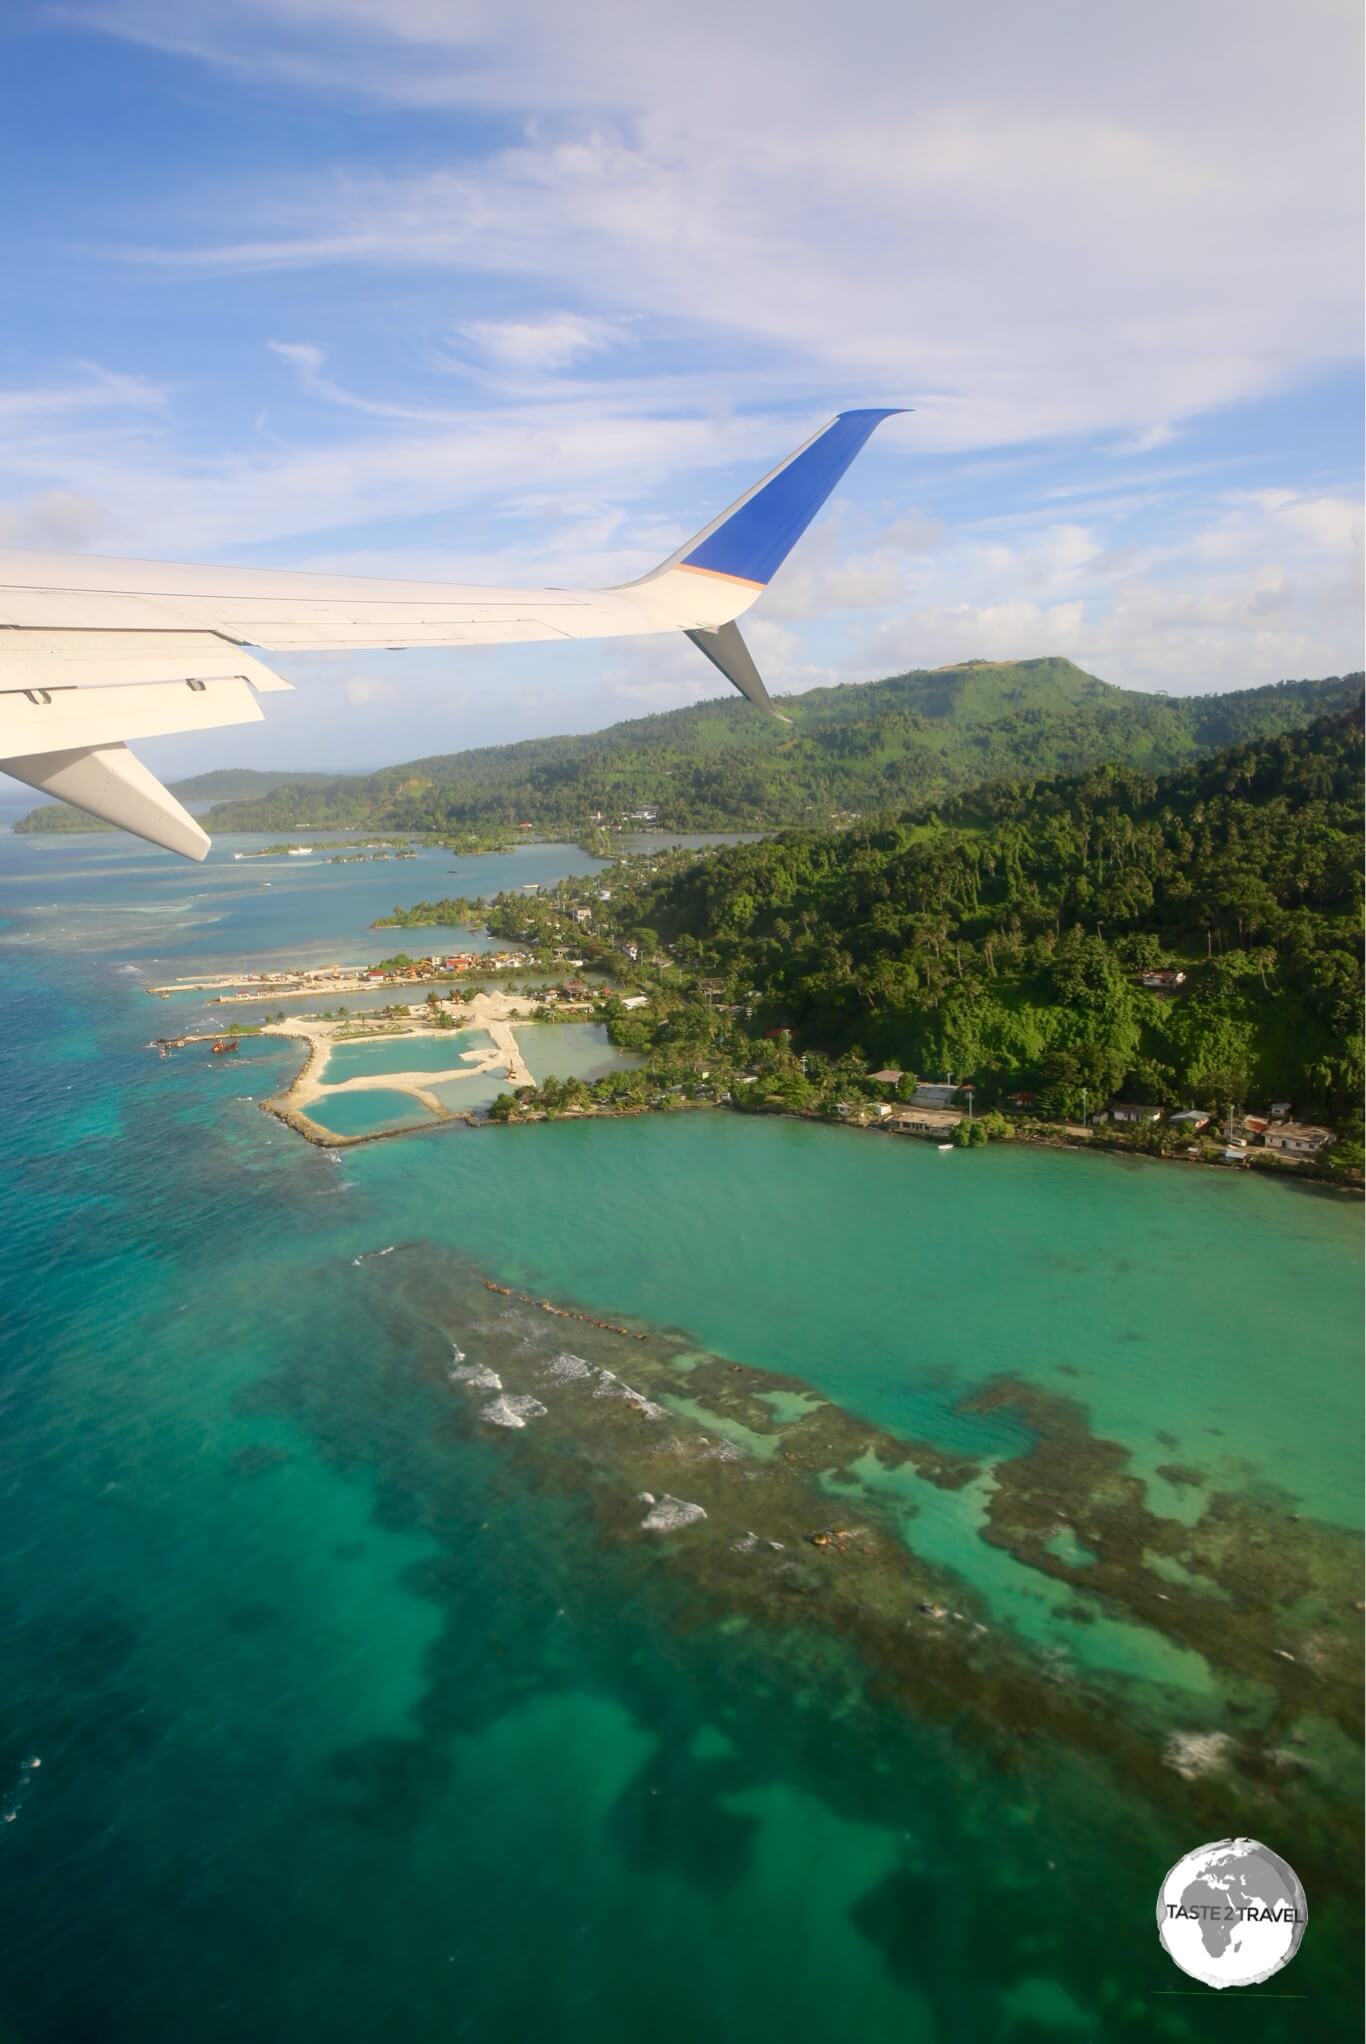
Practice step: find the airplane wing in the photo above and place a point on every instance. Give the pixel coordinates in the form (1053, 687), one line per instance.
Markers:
(96, 652)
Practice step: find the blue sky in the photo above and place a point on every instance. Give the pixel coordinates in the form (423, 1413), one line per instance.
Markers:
(519, 292)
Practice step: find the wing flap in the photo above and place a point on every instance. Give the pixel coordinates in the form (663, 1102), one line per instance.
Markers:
(55, 720)
(112, 659)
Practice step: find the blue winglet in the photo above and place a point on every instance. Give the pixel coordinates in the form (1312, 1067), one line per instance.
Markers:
(754, 541)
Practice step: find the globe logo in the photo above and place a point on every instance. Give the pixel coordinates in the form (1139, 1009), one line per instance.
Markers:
(1232, 1913)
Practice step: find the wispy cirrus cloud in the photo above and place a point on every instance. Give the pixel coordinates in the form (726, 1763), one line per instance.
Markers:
(1024, 233)
(86, 388)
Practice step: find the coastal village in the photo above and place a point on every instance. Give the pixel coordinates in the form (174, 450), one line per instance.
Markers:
(1165, 966)
(346, 979)
(698, 1035)
(712, 1061)
(690, 1036)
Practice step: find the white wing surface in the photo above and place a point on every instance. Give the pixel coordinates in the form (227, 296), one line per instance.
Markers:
(96, 652)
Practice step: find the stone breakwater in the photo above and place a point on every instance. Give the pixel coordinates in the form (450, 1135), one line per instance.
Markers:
(564, 1312)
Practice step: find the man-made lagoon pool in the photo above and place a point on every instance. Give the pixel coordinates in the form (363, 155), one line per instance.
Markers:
(366, 1059)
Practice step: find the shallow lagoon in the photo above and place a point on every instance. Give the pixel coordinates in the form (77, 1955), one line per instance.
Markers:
(368, 1113)
(110, 892)
(1217, 1311)
(571, 1050)
(366, 1059)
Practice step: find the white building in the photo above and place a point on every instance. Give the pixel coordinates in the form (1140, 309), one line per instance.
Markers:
(1297, 1138)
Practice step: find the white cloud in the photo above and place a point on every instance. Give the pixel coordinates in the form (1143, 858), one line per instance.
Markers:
(309, 365)
(363, 689)
(92, 389)
(1160, 434)
(165, 500)
(1330, 524)
(55, 519)
(1026, 222)
(1334, 522)
(1198, 613)
(550, 343)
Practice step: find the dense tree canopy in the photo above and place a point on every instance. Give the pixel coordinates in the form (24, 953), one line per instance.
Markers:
(1004, 936)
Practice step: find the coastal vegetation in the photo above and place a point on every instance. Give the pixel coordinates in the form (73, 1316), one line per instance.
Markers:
(425, 913)
(856, 750)
(471, 840)
(1004, 939)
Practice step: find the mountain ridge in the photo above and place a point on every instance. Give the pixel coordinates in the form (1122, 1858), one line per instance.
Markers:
(851, 748)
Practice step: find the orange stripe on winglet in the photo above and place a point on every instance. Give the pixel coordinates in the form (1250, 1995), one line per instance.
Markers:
(718, 575)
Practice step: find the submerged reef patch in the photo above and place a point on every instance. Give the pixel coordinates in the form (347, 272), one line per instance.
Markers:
(667, 1515)
(1184, 1659)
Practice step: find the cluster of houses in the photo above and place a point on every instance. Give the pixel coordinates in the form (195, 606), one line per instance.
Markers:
(647, 813)
(439, 967)
(935, 1104)
(1275, 1130)
(930, 1110)
(290, 980)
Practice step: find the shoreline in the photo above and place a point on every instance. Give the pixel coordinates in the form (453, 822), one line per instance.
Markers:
(280, 1106)
(493, 1013)
(496, 1013)
(227, 990)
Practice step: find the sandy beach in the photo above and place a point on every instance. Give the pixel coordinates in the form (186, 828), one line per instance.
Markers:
(493, 1012)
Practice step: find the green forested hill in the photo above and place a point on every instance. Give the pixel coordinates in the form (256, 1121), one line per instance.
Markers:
(1002, 938)
(200, 791)
(243, 784)
(865, 747)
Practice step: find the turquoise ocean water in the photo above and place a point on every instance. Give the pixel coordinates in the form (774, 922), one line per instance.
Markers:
(348, 1729)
